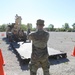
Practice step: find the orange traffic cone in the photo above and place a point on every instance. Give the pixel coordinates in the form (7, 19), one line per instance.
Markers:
(1, 58)
(1, 65)
(73, 53)
(1, 69)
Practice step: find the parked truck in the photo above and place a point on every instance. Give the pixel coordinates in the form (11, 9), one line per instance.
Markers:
(14, 32)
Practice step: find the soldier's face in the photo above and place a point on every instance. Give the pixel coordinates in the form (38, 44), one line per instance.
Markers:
(40, 26)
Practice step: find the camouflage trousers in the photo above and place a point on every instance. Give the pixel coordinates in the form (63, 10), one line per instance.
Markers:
(34, 65)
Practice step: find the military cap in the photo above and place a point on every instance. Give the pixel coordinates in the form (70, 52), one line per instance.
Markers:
(40, 22)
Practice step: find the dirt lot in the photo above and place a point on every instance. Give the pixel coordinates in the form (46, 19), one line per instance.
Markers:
(62, 41)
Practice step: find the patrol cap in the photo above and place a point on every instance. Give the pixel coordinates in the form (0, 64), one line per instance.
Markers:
(40, 22)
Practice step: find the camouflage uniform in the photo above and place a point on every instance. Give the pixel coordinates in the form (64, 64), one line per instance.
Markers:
(39, 54)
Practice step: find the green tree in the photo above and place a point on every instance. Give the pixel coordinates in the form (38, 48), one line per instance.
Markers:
(73, 25)
(3, 27)
(24, 27)
(29, 25)
(51, 27)
(66, 26)
(33, 29)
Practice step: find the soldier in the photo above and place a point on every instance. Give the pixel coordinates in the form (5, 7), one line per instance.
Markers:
(39, 54)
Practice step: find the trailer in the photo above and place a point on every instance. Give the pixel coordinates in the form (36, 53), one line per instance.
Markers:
(25, 49)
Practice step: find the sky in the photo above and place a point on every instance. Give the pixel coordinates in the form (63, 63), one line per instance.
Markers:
(56, 12)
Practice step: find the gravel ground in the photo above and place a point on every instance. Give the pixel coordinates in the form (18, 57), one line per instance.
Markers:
(62, 41)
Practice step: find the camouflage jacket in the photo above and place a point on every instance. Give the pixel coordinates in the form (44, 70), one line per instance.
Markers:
(39, 43)
(39, 38)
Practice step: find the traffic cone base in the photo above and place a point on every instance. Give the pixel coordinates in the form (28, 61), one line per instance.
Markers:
(73, 53)
(2, 70)
(1, 58)
(1, 66)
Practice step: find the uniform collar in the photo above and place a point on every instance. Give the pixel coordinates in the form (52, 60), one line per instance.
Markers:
(39, 30)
